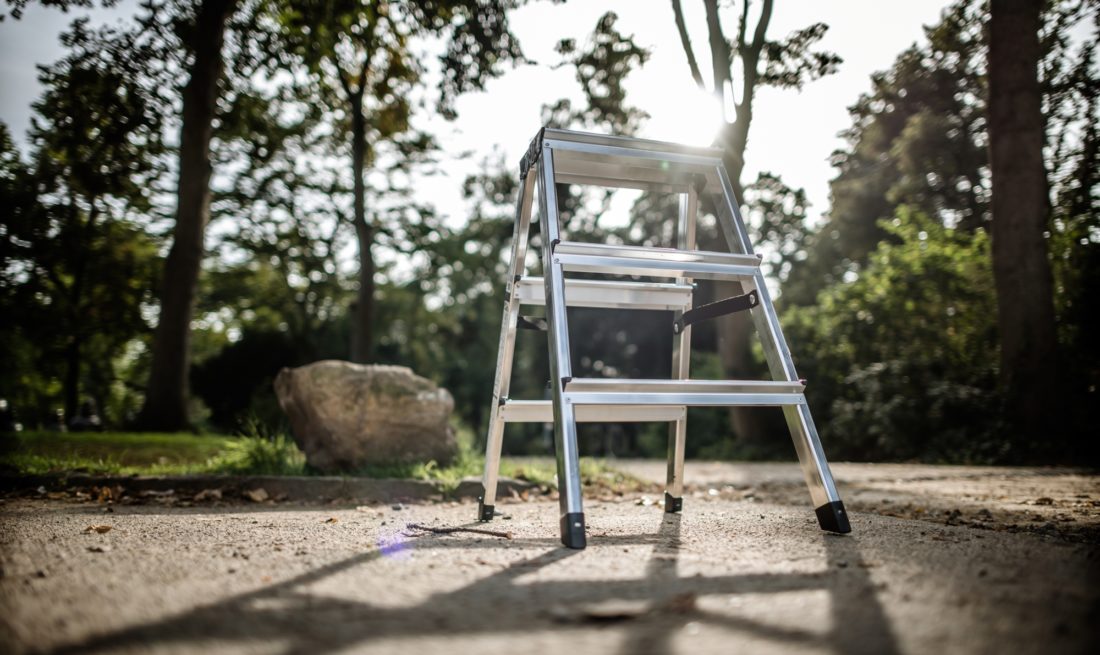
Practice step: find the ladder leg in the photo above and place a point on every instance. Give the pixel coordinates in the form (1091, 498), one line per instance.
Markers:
(815, 468)
(565, 424)
(829, 508)
(681, 361)
(494, 440)
(505, 352)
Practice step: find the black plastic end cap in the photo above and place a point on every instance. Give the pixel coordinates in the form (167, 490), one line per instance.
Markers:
(572, 531)
(672, 504)
(833, 518)
(485, 512)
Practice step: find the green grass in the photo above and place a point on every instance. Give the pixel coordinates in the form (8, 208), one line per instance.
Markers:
(120, 453)
(110, 452)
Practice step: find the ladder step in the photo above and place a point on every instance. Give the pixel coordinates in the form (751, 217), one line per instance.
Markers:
(692, 393)
(610, 294)
(657, 262)
(542, 411)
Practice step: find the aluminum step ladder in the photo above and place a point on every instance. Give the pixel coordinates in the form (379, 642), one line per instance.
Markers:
(696, 175)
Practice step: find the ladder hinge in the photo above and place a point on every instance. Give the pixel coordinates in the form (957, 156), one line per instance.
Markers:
(699, 181)
(565, 381)
(531, 323)
(531, 157)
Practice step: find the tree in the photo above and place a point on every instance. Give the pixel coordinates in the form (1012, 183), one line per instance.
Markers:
(892, 162)
(166, 400)
(77, 262)
(1021, 213)
(917, 139)
(361, 57)
(788, 63)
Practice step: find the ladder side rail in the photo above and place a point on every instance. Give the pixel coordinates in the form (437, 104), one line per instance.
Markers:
(565, 424)
(506, 348)
(681, 360)
(766, 321)
(807, 442)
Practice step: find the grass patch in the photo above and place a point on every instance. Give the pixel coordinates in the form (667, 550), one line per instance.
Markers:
(112, 453)
(117, 453)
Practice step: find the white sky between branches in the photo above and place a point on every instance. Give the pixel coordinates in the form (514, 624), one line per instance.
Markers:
(793, 133)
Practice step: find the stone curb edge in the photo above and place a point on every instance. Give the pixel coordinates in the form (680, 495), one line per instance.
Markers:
(294, 488)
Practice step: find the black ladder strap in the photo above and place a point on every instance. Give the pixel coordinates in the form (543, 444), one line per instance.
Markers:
(716, 309)
(531, 323)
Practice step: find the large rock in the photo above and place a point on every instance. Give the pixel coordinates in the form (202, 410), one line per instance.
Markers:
(345, 415)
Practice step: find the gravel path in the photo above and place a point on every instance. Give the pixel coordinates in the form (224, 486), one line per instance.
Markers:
(732, 572)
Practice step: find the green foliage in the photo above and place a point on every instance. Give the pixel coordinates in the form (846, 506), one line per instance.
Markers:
(77, 263)
(601, 68)
(917, 138)
(901, 360)
(256, 455)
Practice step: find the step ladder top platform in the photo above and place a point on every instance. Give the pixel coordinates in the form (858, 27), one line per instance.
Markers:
(627, 162)
(635, 143)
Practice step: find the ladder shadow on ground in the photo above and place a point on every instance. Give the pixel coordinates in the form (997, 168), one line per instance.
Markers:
(291, 614)
(858, 622)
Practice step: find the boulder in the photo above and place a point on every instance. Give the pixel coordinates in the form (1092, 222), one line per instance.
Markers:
(345, 415)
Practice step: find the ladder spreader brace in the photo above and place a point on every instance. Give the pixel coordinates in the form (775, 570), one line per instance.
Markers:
(568, 157)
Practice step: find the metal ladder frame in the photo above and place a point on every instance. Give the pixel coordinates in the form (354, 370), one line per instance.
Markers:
(597, 160)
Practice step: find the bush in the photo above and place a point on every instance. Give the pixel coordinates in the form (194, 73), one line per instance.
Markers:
(902, 358)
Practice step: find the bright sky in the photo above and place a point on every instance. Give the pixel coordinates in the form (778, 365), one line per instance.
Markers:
(792, 134)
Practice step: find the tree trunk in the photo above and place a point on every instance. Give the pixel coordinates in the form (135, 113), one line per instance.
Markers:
(166, 397)
(1021, 210)
(735, 331)
(72, 378)
(362, 333)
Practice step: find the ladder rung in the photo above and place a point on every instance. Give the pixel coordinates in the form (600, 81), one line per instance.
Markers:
(659, 262)
(541, 411)
(692, 393)
(610, 293)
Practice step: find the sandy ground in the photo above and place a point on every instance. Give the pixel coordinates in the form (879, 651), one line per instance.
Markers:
(742, 569)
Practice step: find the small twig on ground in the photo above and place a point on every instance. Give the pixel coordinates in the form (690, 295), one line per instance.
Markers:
(426, 528)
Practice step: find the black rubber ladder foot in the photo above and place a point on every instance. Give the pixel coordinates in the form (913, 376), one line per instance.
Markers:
(572, 531)
(833, 518)
(484, 512)
(673, 504)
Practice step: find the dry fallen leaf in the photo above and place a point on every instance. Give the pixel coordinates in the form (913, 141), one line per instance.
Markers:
(208, 494)
(256, 495)
(157, 493)
(98, 528)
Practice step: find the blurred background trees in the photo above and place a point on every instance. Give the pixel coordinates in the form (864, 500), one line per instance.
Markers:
(292, 193)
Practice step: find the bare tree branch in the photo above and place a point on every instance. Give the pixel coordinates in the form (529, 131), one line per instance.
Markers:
(750, 56)
(685, 41)
(719, 50)
(762, 26)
